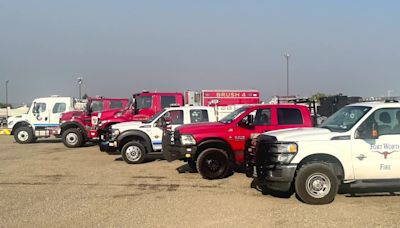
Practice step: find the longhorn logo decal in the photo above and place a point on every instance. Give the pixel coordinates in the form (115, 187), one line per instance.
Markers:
(385, 153)
(385, 149)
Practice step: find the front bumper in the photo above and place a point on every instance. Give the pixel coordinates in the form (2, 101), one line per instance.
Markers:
(106, 144)
(278, 178)
(173, 150)
(172, 153)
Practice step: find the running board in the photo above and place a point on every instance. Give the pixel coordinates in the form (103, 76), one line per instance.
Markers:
(381, 184)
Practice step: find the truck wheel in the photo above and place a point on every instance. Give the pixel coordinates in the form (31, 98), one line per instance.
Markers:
(133, 152)
(72, 138)
(23, 135)
(316, 183)
(213, 163)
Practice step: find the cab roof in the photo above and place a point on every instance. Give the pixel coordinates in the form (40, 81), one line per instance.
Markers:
(188, 107)
(378, 104)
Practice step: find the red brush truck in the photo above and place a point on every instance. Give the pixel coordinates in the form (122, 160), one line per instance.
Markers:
(75, 125)
(144, 105)
(214, 148)
(222, 97)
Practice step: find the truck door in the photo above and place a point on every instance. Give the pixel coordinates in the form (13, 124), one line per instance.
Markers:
(262, 123)
(40, 115)
(378, 158)
(55, 114)
(175, 117)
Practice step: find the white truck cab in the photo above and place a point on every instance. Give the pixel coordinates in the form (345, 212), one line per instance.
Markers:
(137, 140)
(41, 120)
(358, 146)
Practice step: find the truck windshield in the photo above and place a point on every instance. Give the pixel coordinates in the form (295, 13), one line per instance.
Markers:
(233, 115)
(344, 119)
(155, 116)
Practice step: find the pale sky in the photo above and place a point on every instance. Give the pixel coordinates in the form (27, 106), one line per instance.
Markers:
(120, 47)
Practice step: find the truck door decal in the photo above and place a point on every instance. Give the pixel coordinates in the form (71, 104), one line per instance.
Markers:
(385, 149)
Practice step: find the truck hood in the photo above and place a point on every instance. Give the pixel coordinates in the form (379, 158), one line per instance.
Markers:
(132, 125)
(12, 120)
(305, 134)
(200, 127)
(71, 114)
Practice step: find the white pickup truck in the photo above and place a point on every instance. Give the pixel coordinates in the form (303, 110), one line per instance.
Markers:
(139, 140)
(357, 147)
(42, 119)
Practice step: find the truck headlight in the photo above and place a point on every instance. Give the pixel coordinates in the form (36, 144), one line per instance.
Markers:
(10, 123)
(283, 148)
(187, 140)
(283, 152)
(114, 133)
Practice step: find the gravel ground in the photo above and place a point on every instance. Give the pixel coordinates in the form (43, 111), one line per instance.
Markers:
(48, 185)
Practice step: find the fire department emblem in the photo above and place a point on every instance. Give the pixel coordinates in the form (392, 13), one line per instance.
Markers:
(385, 153)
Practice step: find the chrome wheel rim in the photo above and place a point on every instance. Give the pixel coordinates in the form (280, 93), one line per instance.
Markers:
(133, 153)
(23, 136)
(71, 138)
(318, 185)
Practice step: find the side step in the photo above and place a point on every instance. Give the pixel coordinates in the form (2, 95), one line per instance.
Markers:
(376, 184)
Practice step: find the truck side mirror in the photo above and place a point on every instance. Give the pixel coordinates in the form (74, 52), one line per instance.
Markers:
(35, 108)
(367, 132)
(163, 122)
(247, 121)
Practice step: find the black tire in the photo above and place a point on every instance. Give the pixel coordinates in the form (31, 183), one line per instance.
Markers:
(72, 138)
(213, 163)
(192, 165)
(316, 183)
(23, 135)
(133, 152)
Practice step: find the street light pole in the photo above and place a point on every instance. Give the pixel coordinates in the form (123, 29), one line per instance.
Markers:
(287, 73)
(7, 98)
(80, 80)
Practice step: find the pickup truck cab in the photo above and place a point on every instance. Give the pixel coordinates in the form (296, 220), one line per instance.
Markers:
(357, 147)
(214, 148)
(138, 140)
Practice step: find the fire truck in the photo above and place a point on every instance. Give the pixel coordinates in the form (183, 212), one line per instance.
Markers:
(41, 120)
(75, 125)
(146, 104)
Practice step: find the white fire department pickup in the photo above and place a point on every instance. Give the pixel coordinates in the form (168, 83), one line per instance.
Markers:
(138, 140)
(357, 147)
(42, 119)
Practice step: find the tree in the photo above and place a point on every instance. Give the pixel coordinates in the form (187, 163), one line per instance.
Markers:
(317, 97)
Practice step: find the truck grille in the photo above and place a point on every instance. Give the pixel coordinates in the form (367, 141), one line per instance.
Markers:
(264, 158)
(171, 137)
(175, 138)
(105, 134)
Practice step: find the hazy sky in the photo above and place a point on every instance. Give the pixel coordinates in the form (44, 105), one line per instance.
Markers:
(120, 47)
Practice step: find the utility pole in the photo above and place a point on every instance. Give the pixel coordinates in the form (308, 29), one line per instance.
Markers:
(287, 73)
(7, 98)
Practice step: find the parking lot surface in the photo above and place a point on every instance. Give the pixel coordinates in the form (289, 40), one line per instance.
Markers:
(46, 184)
